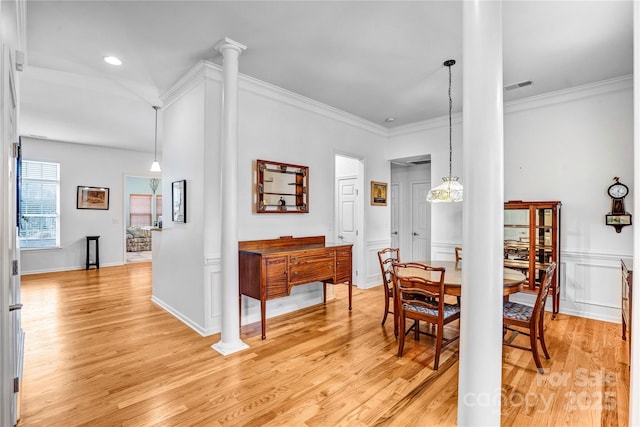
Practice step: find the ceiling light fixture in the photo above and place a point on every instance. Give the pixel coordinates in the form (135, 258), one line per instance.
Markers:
(450, 190)
(390, 119)
(112, 60)
(155, 166)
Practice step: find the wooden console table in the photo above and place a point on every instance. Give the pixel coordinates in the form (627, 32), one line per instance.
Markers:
(270, 268)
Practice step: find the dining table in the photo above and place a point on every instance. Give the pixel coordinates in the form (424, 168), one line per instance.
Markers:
(513, 280)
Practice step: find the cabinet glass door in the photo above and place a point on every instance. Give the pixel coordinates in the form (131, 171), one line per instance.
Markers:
(543, 240)
(517, 239)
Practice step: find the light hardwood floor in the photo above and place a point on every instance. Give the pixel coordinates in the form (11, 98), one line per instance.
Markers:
(100, 353)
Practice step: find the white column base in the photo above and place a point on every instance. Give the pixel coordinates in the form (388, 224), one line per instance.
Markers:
(226, 349)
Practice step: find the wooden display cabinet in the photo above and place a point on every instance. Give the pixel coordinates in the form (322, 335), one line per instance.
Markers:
(532, 242)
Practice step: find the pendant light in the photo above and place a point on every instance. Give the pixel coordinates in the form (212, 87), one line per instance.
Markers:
(155, 166)
(450, 190)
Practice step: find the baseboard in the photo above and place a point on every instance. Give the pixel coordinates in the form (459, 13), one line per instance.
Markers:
(71, 268)
(184, 319)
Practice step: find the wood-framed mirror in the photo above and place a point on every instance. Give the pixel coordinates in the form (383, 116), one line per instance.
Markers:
(282, 187)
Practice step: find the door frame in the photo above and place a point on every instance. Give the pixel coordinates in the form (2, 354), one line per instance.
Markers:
(359, 276)
(125, 203)
(396, 202)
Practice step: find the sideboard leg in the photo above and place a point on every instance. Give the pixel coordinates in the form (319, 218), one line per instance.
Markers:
(263, 308)
(324, 292)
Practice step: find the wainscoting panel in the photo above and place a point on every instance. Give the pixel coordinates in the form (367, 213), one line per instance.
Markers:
(592, 285)
(373, 265)
(212, 295)
(302, 296)
(590, 282)
(444, 251)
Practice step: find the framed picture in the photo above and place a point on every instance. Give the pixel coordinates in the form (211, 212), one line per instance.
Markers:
(92, 198)
(179, 201)
(378, 193)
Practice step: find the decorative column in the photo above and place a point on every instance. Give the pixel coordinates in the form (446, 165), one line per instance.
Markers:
(480, 375)
(230, 341)
(634, 383)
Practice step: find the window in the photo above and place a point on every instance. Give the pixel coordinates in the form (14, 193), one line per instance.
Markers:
(140, 210)
(158, 208)
(39, 205)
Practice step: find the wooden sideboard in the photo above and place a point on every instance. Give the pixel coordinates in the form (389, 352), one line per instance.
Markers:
(627, 289)
(270, 268)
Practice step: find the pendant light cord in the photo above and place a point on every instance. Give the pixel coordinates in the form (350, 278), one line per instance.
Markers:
(155, 145)
(450, 108)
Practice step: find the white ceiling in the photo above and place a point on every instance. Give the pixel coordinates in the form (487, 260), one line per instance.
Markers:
(373, 59)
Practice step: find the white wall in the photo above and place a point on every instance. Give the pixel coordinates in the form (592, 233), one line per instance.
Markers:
(178, 250)
(568, 147)
(563, 146)
(92, 166)
(273, 125)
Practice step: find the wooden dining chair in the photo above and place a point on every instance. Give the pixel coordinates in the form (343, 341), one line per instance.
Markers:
(386, 257)
(517, 317)
(420, 295)
(458, 259)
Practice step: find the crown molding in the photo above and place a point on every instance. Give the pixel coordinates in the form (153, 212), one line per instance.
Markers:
(435, 123)
(270, 91)
(203, 70)
(571, 94)
(584, 91)
(206, 70)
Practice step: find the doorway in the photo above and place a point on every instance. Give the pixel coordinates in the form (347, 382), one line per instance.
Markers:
(143, 211)
(410, 212)
(349, 208)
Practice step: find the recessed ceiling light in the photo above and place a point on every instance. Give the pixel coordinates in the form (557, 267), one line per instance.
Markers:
(389, 119)
(112, 60)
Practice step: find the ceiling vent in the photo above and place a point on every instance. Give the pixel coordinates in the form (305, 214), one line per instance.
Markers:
(518, 85)
(420, 162)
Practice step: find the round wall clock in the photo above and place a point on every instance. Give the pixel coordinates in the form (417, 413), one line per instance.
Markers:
(618, 190)
(618, 217)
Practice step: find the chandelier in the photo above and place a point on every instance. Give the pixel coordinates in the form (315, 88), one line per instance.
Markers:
(450, 190)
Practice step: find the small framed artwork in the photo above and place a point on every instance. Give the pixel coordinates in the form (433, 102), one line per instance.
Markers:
(92, 198)
(179, 201)
(378, 193)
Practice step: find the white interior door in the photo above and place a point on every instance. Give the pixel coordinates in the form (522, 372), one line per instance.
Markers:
(13, 335)
(347, 215)
(420, 222)
(394, 200)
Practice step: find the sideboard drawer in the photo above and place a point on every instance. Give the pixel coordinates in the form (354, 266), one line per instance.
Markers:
(311, 266)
